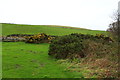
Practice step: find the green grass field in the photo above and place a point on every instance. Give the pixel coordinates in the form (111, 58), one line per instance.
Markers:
(22, 60)
(50, 30)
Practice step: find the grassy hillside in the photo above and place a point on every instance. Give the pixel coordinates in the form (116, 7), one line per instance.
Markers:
(32, 60)
(48, 29)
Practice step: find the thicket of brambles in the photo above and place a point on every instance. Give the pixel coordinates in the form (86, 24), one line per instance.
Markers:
(74, 45)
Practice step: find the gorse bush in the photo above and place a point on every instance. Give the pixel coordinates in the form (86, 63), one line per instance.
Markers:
(73, 45)
(28, 38)
(40, 38)
(66, 46)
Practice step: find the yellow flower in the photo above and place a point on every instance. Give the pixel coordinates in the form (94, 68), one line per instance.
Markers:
(49, 38)
(31, 40)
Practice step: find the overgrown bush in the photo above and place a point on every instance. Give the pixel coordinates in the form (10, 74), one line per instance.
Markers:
(66, 47)
(73, 45)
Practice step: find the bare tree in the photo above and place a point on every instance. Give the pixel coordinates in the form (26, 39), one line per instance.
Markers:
(114, 26)
(115, 16)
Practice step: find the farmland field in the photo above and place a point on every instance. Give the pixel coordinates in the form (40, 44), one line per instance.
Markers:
(22, 60)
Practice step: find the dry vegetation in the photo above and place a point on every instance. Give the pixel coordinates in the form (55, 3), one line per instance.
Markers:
(101, 60)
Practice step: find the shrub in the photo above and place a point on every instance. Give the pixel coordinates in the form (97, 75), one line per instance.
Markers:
(40, 38)
(73, 45)
(66, 47)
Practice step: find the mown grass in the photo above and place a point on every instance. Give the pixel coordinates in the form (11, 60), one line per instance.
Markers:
(48, 29)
